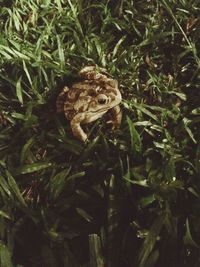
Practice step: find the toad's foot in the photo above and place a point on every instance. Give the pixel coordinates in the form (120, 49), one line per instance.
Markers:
(116, 117)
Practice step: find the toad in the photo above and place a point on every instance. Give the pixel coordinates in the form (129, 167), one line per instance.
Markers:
(90, 99)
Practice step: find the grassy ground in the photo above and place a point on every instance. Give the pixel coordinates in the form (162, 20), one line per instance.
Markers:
(138, 188)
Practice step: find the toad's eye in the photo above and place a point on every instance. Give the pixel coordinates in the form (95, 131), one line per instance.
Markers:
(102, 101)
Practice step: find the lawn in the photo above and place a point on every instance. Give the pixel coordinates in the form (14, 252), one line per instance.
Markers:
(128, 198)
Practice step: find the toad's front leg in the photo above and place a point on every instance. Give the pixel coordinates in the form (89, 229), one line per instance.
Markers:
(76, 127)
(116, 117)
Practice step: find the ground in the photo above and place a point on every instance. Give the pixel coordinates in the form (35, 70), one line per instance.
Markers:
(137, 188)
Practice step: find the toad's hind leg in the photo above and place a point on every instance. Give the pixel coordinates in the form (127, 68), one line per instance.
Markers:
(76, 127)
(116, 117)
(93, 73)
(61, 99)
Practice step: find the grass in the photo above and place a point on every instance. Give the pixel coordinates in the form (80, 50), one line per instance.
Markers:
(138, 188)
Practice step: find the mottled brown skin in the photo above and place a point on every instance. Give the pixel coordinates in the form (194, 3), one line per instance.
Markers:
(90, 99)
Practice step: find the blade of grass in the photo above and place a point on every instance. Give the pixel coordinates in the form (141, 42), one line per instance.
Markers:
(19, 91)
